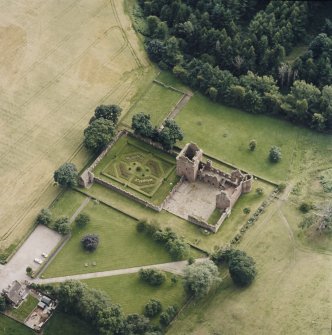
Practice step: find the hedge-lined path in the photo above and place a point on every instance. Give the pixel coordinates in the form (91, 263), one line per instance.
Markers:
(173, 267)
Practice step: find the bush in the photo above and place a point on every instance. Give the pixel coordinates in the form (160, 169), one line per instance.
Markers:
(246, 210)
(275, 154)
(191, 260)
(61, 225)
(90, 242)
(177, 248)
(305, 207)
(152, 276)
(252, 145)
(141, 226)
(66, 175)
(82, 220)
(167, 316)
(28, 270)
(281, 187)
(44, 217)
(259, 191)
(152, 308)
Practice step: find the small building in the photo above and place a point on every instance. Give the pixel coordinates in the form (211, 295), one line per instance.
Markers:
(46, 300)
(16, 293)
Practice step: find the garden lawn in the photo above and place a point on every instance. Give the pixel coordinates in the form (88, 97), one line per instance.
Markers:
(25, 309)
(11, 327)
(157, 101)
(132, 294)
(65, 324)
(225, 133)
(120, 245)
(182, 227)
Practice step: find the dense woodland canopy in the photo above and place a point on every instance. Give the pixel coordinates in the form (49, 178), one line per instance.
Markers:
(235, 52)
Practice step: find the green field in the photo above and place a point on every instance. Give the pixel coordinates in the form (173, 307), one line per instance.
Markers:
(63, 324)
(157, 101)
(11, 327)
(25, 308)
(120, 245)
(132, 294)
(233, 129)
(138, 168)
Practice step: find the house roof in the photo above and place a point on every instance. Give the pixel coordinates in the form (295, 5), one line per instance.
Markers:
(16, 292)
(46, 300)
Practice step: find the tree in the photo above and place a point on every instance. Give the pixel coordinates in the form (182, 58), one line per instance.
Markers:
(252, 145)
(28, 270)
(98, 134)
(305, 207)
(275, 154)
(141, 125)
(44, 217)
(178, 248)
(82, 220)
(61, 225)
(246, 210)
(136, 324)
(170, 133)
(152, 276)
(90, 242)
(66, 175)
(167, 316)
(108, 112)
(3, 304)
(241, 268)
(152, 308)
(199, 278)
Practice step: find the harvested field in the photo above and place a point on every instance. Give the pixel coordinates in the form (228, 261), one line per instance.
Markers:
(60, 60)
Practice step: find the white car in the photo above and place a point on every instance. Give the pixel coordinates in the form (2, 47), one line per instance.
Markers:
(44, 254)
(38, 260)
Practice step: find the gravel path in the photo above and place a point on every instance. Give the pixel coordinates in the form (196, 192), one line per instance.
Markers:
(173, 267)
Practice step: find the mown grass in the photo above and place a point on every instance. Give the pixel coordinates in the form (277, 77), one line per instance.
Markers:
(63, 324)
(290, 294)
(120, 245)
(157, 101)
(182, 227)
(25, 309)
(232, 130)
(132, 294)
(12, 327)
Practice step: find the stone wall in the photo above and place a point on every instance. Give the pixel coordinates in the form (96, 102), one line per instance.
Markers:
(174, 189)
(128, 194)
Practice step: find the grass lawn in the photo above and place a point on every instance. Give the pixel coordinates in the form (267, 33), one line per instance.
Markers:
(132, 294)
(188, 230)
(66, 204)
(290, 295)
(233, 129)
(64, 324)
(157, 101)
(120, 245)
(11, 327)
(139, 168)
(25, 309)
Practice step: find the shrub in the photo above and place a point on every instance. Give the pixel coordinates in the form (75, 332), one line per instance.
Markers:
(90, 242)
(28, 270)
(82, 220)
(252, 145)
(177, 248)
(275, 154)
(246, 210)
(259, 191)
(152, 308)
(141, 226)
(241, 268)
(152, 276)
(281, 187)
(191, 260)
(174, 279)
(44, 217)
(167, 316)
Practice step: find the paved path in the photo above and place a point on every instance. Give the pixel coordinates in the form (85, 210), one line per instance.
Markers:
(173, 267)
(79, 209)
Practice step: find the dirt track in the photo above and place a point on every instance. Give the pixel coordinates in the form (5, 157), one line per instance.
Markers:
(59, 60)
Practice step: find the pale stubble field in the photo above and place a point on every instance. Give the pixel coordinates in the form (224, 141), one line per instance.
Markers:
(59, 59)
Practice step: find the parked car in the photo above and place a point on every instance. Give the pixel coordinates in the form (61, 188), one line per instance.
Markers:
(38, 260)
(44, 254)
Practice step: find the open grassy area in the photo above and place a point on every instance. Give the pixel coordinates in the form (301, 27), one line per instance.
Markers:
(157, 101)
(290, 295)
(233, 129)
(191, 232)
(120, 245)
(63, 324)
(132, 294)
(25, 309)
(139, 168)
(11, 327)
